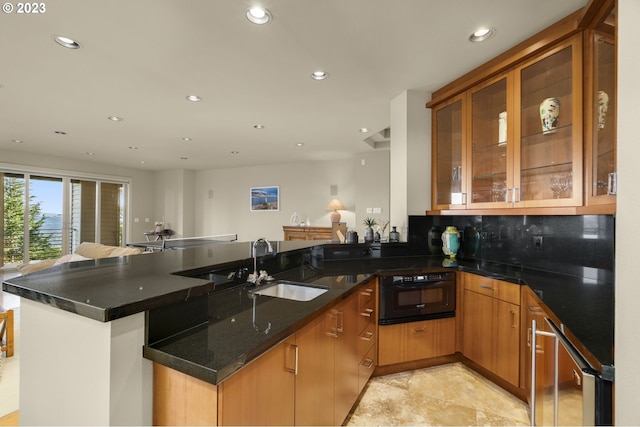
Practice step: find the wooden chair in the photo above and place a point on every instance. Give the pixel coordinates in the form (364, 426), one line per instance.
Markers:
(6, 331)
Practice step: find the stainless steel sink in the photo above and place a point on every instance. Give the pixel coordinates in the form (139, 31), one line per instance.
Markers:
(290, 290)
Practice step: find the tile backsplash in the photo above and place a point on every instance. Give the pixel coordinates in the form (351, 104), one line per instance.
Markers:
(564, 244)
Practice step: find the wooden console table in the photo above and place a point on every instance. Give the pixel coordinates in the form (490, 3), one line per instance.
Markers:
(306, 233)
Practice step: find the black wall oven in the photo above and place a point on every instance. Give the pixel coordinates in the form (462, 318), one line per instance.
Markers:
(413, 297)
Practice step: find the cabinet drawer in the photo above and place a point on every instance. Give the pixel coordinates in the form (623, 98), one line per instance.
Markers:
(406, 342)
(366, 339)
(366, 367)
(505, 291)
(367, 306)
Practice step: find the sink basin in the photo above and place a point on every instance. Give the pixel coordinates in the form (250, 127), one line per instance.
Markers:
(291, 290)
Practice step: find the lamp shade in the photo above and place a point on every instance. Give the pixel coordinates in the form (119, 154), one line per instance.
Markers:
(334, 205)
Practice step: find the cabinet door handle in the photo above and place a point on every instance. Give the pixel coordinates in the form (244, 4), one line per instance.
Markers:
(486, 287)
(294, 371)
(367, 336)
(367, 363)
(340, 321)
(367, 292)
(333, 332)
(420, 331)
(513, 318)
(367, 312)
(612, 184)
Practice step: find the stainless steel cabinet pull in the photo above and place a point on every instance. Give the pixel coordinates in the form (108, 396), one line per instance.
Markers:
(367, 363)
(294, 371)
(340, 321)
(333, 332)
(612, 184)
(486, 287)
(367, 312)
(420, 331)
(367, 336)
(513, 318)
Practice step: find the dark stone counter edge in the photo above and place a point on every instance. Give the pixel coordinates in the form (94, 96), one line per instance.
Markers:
(110, 313)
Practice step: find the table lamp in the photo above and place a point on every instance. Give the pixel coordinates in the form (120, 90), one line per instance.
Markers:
(335, 205)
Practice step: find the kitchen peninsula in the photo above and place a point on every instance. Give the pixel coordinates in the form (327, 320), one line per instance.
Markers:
(91, 329)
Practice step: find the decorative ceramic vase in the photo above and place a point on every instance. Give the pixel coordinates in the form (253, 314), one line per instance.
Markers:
(368, 235)
(394, 236)
(603, 106)
(549, 114)
(450, 241)
(295, 219)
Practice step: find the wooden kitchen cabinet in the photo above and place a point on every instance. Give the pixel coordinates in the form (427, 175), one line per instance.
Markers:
(367, 332)
(491, 325)
(261, 393)
(489, 147)
(327, 380)
(448, 152)
(600, 104)
(180, 399)
(306, 233)
(406, 342)
(314, 390)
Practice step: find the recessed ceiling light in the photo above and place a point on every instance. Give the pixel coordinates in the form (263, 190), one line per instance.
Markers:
(299, 144)
(319, 75)
(132, 147)
(258, 15)
(194, 98)
(89, 153)
(186, 139)
(364, 130)
(258, 126)
(17, 141)
(115, 118)
(482, 34)
(60, 132)
(66, 42)
(142, 162)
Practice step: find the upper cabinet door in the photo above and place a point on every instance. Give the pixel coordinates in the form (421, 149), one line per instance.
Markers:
(600, 101)
(548, 125)
(490, 150)
(448, 156)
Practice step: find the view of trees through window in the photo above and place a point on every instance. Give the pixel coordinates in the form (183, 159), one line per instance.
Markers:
(40, 220)
(42, 242)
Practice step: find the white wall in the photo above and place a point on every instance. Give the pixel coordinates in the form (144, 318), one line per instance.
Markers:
(222, 197)
(174, 201)
(371, 170)
(142, 187)
(627, 298)
(410, 157)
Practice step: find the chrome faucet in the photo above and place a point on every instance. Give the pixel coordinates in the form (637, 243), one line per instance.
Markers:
(257, 277)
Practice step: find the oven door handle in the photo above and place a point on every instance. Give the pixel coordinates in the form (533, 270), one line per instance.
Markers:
(419, 285)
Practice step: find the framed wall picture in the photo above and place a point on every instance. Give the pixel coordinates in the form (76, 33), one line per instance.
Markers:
(265, 199)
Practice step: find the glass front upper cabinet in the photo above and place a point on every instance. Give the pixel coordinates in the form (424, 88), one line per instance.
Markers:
(601, 135)
(491, 146)
(448, 155)
(548, 157)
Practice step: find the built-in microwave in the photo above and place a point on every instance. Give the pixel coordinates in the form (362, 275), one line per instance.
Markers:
(412, 297)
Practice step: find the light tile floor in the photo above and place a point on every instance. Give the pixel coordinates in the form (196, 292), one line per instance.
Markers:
(444, 395)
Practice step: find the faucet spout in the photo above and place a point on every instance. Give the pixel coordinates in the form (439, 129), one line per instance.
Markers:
(258, 277)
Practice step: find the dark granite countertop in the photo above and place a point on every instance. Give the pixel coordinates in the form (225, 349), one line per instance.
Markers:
(111, 288)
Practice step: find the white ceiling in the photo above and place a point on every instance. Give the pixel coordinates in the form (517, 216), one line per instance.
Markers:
(140, 58)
